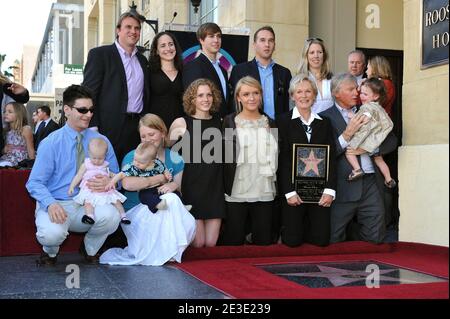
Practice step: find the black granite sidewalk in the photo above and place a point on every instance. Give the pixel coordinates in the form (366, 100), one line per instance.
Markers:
(21, 278)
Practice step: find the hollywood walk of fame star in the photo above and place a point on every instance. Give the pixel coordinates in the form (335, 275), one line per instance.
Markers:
(340, 277)
(311, 163)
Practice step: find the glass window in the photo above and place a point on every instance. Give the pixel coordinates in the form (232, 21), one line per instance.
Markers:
(207, 12)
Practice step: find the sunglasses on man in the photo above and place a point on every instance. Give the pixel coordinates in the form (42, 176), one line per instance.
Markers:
(83, 110)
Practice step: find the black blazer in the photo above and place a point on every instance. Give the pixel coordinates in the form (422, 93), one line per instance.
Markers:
(21, 98)
(281, 79)
(39, 136)
(231, 150)
(201, 67)
(352, 191)
(105, 75)
(291, 131)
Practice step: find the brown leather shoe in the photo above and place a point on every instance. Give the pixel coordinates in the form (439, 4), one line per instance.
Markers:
(91, 260)
(390, 184)
(46, 260)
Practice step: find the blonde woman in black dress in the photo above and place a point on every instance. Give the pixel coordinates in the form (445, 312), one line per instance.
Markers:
(200, 142)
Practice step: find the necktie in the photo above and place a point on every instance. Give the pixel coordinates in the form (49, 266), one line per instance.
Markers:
(307, 128)
(80, 151)
(40, 128)
(350, 115)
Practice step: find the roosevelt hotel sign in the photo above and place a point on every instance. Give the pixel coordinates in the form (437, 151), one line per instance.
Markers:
(435, 36)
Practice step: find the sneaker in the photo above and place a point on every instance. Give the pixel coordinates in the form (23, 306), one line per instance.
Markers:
(162, 204)
(87, 220)
(390, 184)
(125, 221)
(356, 174)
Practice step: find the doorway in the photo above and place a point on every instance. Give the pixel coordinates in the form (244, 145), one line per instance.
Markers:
(395, 58)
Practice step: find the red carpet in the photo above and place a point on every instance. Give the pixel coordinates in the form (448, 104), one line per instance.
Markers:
(232, 270)
(17, 227)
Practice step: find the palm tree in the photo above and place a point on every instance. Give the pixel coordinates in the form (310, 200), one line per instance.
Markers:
(2, 58)
(6, 72)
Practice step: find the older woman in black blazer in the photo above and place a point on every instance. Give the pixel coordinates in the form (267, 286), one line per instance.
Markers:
(251, 156)
(304, 222)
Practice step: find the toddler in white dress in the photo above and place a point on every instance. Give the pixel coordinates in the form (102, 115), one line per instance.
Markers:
(372, 134)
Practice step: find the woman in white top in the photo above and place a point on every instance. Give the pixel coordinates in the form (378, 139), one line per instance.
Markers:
(315, 62)
(251, 162)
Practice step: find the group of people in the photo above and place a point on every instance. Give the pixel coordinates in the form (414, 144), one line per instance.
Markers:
(207, 159)
(19, 140)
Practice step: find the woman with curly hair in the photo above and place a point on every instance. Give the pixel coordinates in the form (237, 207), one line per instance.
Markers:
(200, 142)
(166, 86)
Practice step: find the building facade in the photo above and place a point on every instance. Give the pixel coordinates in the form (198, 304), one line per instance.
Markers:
(378, 27)
(60, 57)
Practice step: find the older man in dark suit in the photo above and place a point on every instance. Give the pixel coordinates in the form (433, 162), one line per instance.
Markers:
(362, 198)
(118, 74)
(274, 78)
(207, 65)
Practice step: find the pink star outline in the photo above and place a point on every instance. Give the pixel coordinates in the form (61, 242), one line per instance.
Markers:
(311, 163)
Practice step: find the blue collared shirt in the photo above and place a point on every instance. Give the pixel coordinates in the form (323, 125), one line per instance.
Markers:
(55, 165)
(266, 76)
(223, 81)
(366, 162)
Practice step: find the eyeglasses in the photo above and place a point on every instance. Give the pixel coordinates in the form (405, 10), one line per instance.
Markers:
(313, 39)
(83, 110)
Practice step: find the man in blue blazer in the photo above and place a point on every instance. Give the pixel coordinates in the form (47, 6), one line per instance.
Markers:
(274, 78)
(362, 198)
(118, 76)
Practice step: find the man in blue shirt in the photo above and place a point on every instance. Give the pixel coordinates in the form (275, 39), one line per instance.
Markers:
(274, 78)
(53, 170)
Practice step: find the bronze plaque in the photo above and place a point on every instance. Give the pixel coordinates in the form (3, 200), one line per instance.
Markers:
(310, 170)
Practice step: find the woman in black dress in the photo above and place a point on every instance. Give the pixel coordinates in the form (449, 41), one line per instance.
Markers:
(166, 87)
(200, 142)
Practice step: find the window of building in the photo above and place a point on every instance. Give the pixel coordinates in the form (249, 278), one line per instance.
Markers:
(207, 12)
(117, 13)
(144, 5)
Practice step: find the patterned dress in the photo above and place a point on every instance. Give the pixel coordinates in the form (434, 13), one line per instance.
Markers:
(148, 196)
(370, 136)
(18, 148)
